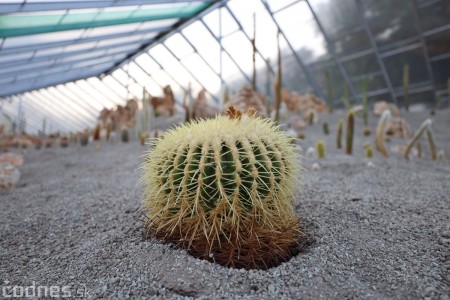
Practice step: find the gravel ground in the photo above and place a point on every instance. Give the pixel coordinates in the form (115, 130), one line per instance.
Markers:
(376, 232)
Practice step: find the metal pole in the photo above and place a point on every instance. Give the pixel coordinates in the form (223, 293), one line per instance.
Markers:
(190, 73)
(333, 53)
(224, 50)
(248, 38)
(423, 44)
(360, 7)
(299, 60)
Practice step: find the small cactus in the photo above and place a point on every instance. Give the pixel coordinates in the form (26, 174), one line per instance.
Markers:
(64, 141)
(419, 150)
(329, 84)
(367, 131)
(125, 135)
(96, 133)
(278, 84)
(109, 127)
(320, 149)
(380, 133)
(325, 128)
(406, 86)
(425, 127)
(84, 139)
(369, 152)
(365, 103)
(339, 134)
(346, 98)
(223, 188)
(350, 130)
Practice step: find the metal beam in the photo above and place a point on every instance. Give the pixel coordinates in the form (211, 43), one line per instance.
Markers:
(422, 42)
(299, 60)
(225, 51)
(147, 73)
(82, 95)
(334, 54)
(168, 74)
(59, 74)
(168, 33)
(272, 71)
(121, 99)
(201, 57)
(34, 86)
(65, 5)
(43, 95)
(58, 92)
(192, 74)
(361, 9)
(108, 49)
(46, 111)
(93, 90)
(44, 67)
(16, 50)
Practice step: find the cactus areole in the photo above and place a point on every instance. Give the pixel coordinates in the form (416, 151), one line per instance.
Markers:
(223, 189)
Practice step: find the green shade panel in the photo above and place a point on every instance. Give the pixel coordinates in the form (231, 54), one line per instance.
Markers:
(20, 24)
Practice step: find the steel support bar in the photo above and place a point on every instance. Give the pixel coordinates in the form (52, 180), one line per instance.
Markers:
(80, 40)
(299, 60)
(272, 71)
(164, 37)
(106, 99)
(76, 106)
(44, 67)
(168, 74)
(35, 86)
(334, 54)
(82, 95)
(65, 5)
(109, 48)
(202, 58)
(361, 10)
(148, 74)
(192, 74)
(57, 118)
(60, 74)
(121, 99)
(225, 51)
(422, 42)
(43, 95)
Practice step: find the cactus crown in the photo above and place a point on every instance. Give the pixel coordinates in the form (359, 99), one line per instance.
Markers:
(212, 180)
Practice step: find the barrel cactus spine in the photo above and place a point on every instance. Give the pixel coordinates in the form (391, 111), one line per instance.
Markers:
(224, 188)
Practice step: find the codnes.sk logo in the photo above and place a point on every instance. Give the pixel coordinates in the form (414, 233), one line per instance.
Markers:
(10, 290)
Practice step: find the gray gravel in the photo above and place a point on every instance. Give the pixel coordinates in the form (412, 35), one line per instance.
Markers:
(377, 232)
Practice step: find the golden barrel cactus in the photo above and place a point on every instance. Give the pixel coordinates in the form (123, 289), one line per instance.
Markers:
(223, 188)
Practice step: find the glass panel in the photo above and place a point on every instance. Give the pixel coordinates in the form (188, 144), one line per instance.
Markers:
(417, 67)
(171, 65)
(438, 43)
(352, 43)
(147, 63)
(374, 82)
(240, 49)
(41, 38)
(17, 56)
(389, 22)
(103, 88)
(205, 43)
(278, 4)
(337, 19)
(94, 93)
(435, 15)
(309, 42)
(441, 70)
(203, 73)
(178, 45)
(143, 79)
(362, 65)
(42, 22)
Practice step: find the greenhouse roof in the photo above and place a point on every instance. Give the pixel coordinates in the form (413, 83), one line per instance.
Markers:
(43, 43)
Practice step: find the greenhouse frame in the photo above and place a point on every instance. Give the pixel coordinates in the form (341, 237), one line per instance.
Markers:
(61, 62)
